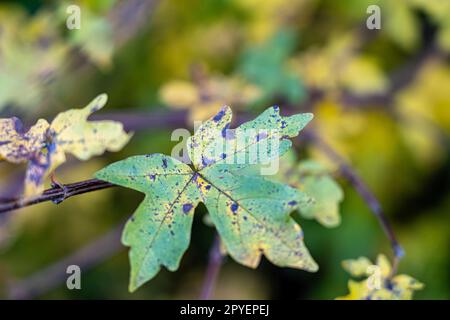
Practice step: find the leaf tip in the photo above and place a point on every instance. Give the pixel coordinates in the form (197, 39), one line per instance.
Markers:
(314, 267)
(132, 287)
(98, 102)
(224, 111)
(309, 116)
(103, 97)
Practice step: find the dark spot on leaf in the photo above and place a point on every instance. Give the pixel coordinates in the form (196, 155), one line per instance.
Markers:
(225, 130)
(18, 126)
(234, 207)
(261, 135)
(388, 284)
(219, 115)
(230, 135)
(187, 207)
(206, 161)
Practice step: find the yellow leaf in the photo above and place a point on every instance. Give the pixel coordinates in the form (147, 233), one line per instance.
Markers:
(380, 284)
(362, 76)
(17, 146)
(44, 146)
(203, 99)
(358, 267)
(84, 139)
(384, 265)
(179, 94)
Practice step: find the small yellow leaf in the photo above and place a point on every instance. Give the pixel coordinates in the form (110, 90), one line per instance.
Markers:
(17, 146)
(203, 100)
(379, 284)
(362, 76)
(179, 94)
(85, 139)
(44, 146)
(384, 265)
(358, 267)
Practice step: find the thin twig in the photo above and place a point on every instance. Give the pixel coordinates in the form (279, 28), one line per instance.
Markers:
(363, 190)
(87, 257)
(214, 264)
(128, 17)
(136, 120)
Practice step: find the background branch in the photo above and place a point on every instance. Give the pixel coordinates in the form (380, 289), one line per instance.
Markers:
(360, 187)
(49, 278)
(214, 264)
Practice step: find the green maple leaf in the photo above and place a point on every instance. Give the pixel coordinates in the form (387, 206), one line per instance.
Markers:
(314, 180)
(319, 185)
(250, 213)
(265, 66)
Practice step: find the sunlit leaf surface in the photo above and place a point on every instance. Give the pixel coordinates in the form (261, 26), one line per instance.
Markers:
(251, 213)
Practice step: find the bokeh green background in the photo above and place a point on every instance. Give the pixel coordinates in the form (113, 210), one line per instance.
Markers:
(306, 55)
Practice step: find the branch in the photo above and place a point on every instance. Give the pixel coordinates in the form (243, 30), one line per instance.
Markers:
(127, 17)
(87, 257)
(363, 190)
(214, 264)
(135, 120)
(55, 194)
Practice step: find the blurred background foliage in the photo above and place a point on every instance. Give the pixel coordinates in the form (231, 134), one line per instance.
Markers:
(380, 97)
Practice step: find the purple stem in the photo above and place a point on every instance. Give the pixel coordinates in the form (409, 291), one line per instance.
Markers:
(214, 264)
(363, 190)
